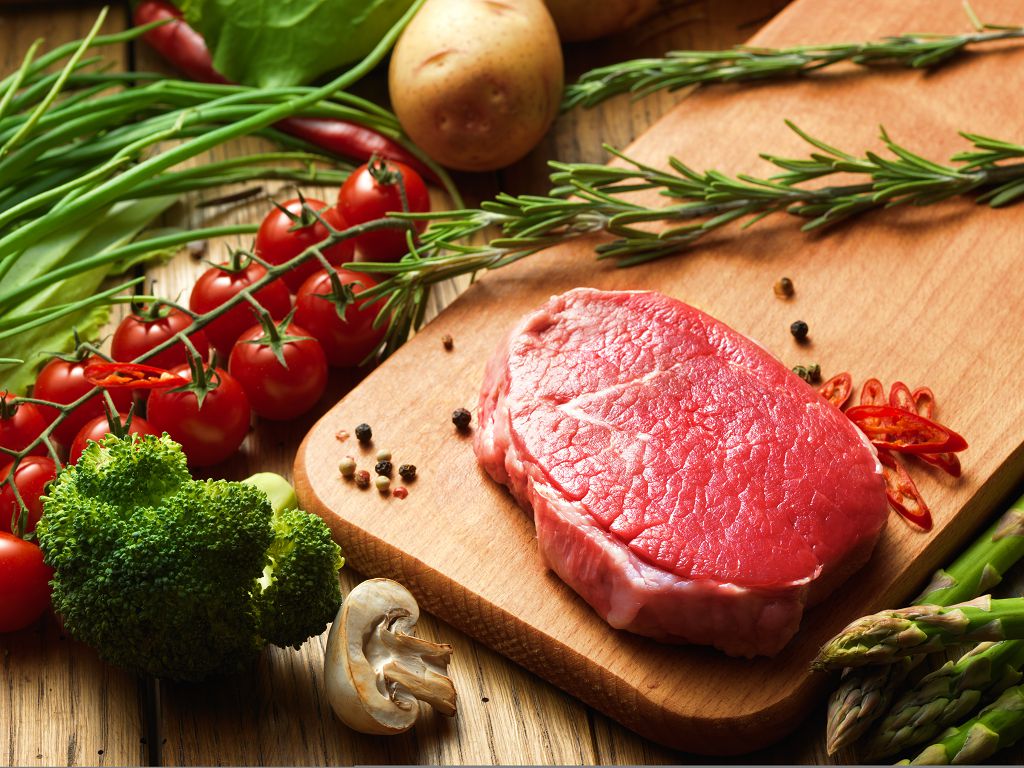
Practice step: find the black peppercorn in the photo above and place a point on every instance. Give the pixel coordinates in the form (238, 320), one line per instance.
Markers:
(799, 330)
(364, 434)
(407, 472)
(461, 418)
(383, 468)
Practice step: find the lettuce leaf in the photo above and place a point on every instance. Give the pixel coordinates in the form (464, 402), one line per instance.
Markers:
(280, 43)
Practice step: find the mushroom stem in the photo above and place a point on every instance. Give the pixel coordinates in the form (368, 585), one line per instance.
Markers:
(423, 683)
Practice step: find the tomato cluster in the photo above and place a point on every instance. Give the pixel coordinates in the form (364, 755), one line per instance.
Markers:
(274, 355)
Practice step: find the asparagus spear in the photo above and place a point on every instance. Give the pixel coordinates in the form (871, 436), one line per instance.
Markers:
(864, 694)
(999, 725)
(948, 695)
(883, 637)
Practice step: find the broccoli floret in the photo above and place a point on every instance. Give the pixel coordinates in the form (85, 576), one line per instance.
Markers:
(181, 578)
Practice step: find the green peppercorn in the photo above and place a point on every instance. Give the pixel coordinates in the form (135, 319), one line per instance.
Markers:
(347, 467)
(799, 330)
(383, 455)
(461, 418)
(383, 483)
(364, 434)
(383, 468)
(407, 472)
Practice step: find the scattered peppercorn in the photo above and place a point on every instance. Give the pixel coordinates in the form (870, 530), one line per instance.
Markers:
(383, 455)
(363, 478)
(383, 484)
(447, 341)
(407, 472)
(341, 435)
(400, 492)
(461, 418)
(784, 288)
(347, 467)
(799, 330)
(383, 468)
(364, 434)
(809, 373)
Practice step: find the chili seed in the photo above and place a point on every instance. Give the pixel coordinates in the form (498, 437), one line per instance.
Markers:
(363, 478)
(461, 418)
(383, 468)
(364, 434)
(383, 455)
(341, 435)
(784, 288)
(383, 484)
(799, 330)
(407, 472)
(347, 467)
(400, 492)
(447, 341)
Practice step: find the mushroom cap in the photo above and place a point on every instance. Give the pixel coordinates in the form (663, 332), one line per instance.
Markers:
(356, 656)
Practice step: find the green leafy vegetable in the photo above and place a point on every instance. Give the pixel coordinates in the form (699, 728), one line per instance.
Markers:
(278, 43)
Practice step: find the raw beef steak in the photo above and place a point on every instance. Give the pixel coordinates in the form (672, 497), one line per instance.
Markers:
(682, 480)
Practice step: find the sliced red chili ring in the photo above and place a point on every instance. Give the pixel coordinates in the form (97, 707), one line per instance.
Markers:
(902, 492)
(898, 430)
(900, 397)
(837, 389)
(131, 376)
(947, 462)
(924, 400)
(872, 393)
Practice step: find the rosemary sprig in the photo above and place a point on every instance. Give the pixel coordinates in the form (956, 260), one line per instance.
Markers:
(678, 69)
(588, 198)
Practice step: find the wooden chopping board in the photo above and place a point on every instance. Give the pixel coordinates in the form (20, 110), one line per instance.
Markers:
(929, 296)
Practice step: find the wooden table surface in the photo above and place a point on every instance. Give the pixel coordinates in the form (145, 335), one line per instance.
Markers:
(60, 705)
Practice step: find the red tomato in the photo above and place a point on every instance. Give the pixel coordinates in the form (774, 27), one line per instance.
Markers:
(277, 240)
(366, 195)
(218, 284)
(276, 391)
(137, 334)
(21, 427)
(63, 381)
(345, 342)
(24, 583)
(31, 477)
(208, 434)
(99, 428)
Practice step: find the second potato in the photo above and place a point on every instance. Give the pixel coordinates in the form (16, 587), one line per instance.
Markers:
(477, 83)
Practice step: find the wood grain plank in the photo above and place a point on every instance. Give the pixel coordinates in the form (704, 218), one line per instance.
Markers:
(692, 696)
(60, 705)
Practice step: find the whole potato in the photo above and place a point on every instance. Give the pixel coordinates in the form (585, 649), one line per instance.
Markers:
(477, 83)
(587, 19)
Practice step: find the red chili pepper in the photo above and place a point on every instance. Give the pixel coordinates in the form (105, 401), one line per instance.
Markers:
(898, 430)
(902, 492)
(131, 376)
(184, 48)
(872, 393)
(924, 401)
(837, 389)
(947, 462)
(900, 397)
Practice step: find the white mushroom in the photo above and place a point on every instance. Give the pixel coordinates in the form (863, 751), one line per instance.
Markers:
(376, 671)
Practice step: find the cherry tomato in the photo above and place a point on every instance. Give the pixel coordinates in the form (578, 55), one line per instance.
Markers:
(218, 284)
(345, 342)
(99, 428)
(24, 583)
(278, 240)
(276, 391)
(137, 334)
(31, 477)
(371, 192)
(210, 433)
(19, 425)
(63, 381)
